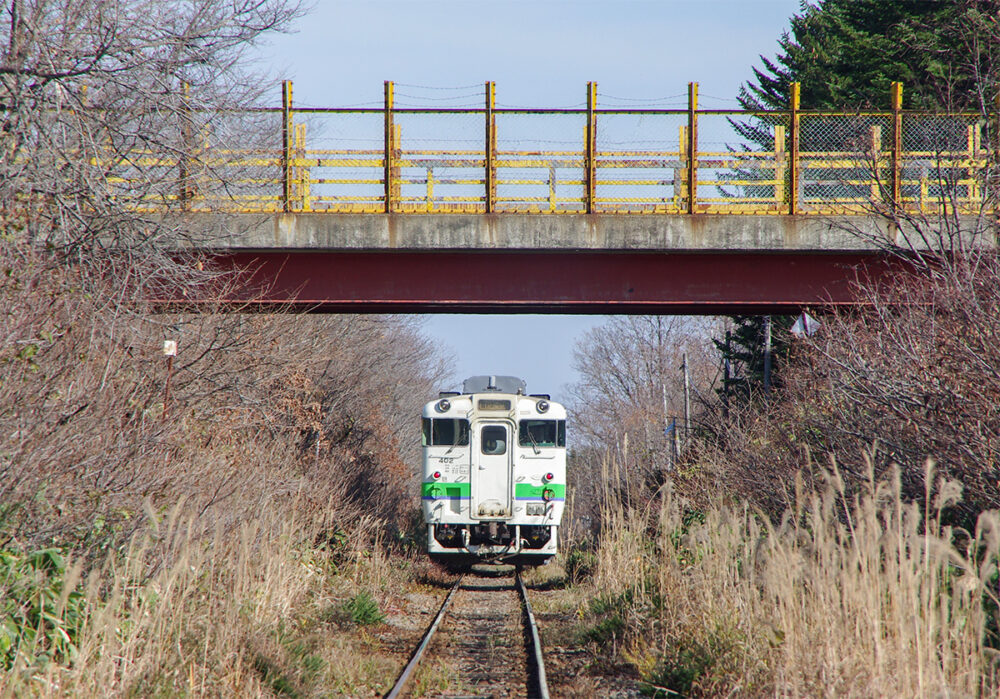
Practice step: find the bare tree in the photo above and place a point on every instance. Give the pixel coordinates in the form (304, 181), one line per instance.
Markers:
(104, 105)
(628, 406)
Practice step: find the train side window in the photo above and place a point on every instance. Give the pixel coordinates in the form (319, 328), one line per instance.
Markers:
(446, 432)
(493, 440)
(541, 433)
(425, 431)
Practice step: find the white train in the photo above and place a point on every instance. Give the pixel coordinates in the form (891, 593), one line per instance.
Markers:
(494, 473)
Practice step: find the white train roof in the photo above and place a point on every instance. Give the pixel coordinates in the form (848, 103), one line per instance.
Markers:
(500, 384)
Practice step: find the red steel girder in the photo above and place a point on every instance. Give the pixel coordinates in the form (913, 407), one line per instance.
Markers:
(551, 281)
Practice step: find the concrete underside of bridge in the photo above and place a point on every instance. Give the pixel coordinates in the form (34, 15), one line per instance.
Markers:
(544, 263)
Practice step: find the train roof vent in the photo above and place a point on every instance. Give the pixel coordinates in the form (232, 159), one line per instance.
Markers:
(448, 394)
(499, 384)
(545, 396)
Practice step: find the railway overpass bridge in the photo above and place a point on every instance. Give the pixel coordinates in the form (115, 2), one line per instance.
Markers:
(537, 263)
(588, 209)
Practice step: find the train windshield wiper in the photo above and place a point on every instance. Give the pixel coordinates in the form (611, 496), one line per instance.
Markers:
(534, 444)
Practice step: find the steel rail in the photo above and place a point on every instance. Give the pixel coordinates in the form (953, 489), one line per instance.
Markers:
(541, 682)
(424, 643)
(536, 642)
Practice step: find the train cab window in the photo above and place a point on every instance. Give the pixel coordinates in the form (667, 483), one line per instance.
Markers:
(493, 440)
(542, 433)
(445, 432)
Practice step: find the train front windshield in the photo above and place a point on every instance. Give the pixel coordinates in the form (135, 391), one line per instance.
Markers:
(542, 433)
(445, 432)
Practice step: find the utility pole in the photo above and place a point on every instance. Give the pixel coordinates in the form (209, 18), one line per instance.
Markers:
(677, 442)
(727, 377)
(666, 420)
(687, 399)
(767, 355)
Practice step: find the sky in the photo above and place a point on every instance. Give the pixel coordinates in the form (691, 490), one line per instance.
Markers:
(540, 53)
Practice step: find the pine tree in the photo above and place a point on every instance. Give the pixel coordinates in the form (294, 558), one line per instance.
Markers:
(845, 54)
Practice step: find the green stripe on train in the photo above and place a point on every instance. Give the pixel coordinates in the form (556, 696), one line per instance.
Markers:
(522, 491)
(527, 491)
(445, 490)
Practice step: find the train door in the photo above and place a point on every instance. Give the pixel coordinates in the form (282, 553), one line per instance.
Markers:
(491, 448)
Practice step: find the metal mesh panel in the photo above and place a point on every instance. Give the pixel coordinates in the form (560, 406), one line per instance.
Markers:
(338, 161)
(944, 162)
(440, 162)
(239, 163)
(742, 164)
(843, 161)
(540, 162)
(640, 163)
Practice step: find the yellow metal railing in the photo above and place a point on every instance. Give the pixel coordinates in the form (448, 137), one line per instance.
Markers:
(800, 162)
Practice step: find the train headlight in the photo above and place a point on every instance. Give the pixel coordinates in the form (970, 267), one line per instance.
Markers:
(443, 405)
(542, 406)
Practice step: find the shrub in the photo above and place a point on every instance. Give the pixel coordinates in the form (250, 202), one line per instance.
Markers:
(362, 609)
(580, 563)
(41, 609)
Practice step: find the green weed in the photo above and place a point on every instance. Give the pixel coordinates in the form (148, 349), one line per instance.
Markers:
(580, 563)
(694, 664)
(362, 609)
(41, 611)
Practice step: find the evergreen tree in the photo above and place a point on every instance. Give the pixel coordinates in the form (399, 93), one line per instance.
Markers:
(746, 354)
(845, 54)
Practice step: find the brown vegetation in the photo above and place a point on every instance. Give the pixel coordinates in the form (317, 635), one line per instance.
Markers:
(886, 601)
(281, 451)
(910, 375)
(261, 407)
(223, 537)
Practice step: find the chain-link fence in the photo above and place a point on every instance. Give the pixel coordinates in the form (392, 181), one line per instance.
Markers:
(843, 162)
(945, 162)
(456, 153)
(641, 162)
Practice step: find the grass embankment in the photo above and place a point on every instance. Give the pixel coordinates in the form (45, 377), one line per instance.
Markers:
(221, 540)
(265, 611)
(871, 597)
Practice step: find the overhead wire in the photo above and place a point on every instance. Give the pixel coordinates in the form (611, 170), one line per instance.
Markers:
(579, 105)
(639, 102)
(440, 99)
(440, 87)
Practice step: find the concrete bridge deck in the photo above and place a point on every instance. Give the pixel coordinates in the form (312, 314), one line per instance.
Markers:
(605, 232)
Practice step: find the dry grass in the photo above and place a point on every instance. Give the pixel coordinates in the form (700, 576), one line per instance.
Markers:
(256, 612)
(236, 545)
(865, 598)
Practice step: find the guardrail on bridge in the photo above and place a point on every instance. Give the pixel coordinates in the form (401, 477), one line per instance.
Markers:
(488, 159)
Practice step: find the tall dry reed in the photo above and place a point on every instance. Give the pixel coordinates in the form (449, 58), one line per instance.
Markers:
(867, 597)
(179, 613)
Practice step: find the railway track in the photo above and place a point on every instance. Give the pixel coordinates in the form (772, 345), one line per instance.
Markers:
(485, 634)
